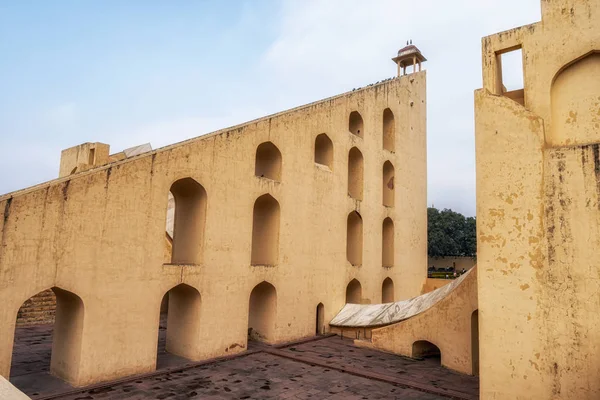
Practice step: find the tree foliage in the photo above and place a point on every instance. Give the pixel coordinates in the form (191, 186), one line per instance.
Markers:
(450, 234)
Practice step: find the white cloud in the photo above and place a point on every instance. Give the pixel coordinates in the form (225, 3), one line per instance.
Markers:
(330, 46)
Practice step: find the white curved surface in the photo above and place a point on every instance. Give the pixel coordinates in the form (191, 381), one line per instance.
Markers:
(9, 392)
(372, 315)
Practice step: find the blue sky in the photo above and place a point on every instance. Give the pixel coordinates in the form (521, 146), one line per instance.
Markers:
(131, 72)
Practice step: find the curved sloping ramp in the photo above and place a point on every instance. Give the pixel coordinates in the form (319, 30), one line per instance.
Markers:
(375, 315)
(447, 318)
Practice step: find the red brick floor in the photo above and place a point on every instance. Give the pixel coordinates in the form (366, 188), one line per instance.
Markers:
(328, 368)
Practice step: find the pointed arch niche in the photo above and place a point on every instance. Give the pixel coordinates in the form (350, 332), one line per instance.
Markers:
(324, 151)
(356, 124)
(265, 231)
(188, 219)
(387, 291)
(354, 239)
(389, 130)
(179, 323)
(355, 174)
(268, 161)
(388, 184)
(262, 313)
(354, 292)
(387, 243)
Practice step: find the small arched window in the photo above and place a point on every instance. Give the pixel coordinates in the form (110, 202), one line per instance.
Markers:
(387, 250)
(354, 292)
(387, 291)
(354, 239)
(388, 184)
(188, 221)
(268, 161)
(355, 124)
(389, 130)
(265, 231)
(355, 174)
(324, 151)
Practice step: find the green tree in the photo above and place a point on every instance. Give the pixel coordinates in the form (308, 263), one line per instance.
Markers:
(450, 234)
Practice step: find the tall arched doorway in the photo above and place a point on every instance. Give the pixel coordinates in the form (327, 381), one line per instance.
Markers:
(179, 325)
(59, 350)
(262, 313)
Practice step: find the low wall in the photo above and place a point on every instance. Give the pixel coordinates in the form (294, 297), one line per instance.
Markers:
(457, 262)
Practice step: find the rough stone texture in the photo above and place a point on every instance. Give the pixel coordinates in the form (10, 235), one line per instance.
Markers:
(97, 238)
(537, 210)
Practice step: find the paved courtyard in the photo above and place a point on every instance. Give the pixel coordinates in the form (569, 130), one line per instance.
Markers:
(318, 368)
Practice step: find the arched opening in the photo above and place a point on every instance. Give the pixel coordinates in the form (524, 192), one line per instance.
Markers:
(320, 328)
(475, 342)
(387, 244)
(355, 174)
(324, 151)
(574, 98)
(354, 239)
(265, 231)
(268, 161)
(189, 217)
(354, 292)
(262, 313)
(169, 228)
(425, 349)
(388, 184)
(56, 349)
(387, 291)
(355, 124)
(179, 325)
(389, 130)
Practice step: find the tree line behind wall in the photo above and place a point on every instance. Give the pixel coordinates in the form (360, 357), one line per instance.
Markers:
(450, 234)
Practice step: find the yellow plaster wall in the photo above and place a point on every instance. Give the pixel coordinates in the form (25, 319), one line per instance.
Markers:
(101, 234)
(432, 284)
(537, 213)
